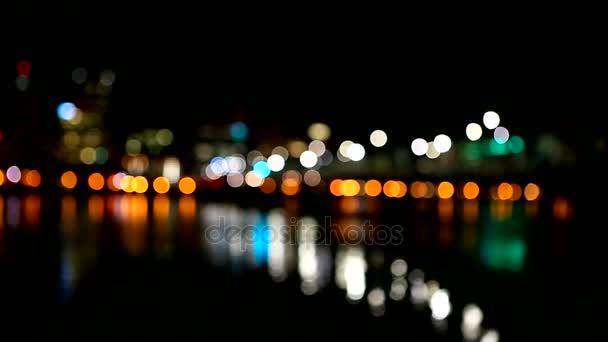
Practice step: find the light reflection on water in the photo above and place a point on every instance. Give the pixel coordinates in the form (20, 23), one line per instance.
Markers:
(282, 241)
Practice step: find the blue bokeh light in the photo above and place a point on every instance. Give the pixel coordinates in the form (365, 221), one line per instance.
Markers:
(238, 131)
(261, 169)
(66, 111)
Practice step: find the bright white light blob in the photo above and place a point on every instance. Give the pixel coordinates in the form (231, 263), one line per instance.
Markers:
(442, 143)
(491, 120)
(276, 163)
(419, 146)
(355, 152)
(432, 152)
(474, 131)
(501, 135)
(378, 138)
(440, 304)
(308, 159)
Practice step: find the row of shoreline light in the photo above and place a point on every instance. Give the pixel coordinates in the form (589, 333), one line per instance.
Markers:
(290, 186)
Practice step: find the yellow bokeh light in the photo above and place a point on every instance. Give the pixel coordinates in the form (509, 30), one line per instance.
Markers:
(470, 190)
(504, 191)
(68, 180)
(350, 187)
(531, 192)
(32, 178)
(187, 185)
(96, 181)
(161, 185)
(126, 183)
(445, 190)
(373, 188)
(140, 184)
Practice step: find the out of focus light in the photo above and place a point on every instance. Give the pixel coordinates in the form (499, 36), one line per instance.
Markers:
(440, 304)
(562, 209)
(107, 77)
(504, 191)
(354, 274)
(398, 268)
(445, 190)
(276, 162)
(517, 192)
(517, 144)
(474, 131)
(1, 177)
(490, 336)
(396, 189)
(491, 120)
(66, 111)
(32, 178)
(171, 169)
(115, 180)
(312, 177)
(101, 155)
(470, 190)
(126, 183)
(344, 146)
(161, 185)
(268, 186)
(472, 315)
(187, 185)
(140, 184)
(79, 75)
(290, 187)
(296, 148)
(238, 131)
(261, 169)
(281, 151)
(355, 152)
(96, 181)
(376, 299)
(335, 187)
(133, 146)
(235, 179)
(531, 192)
(349, 187)
(501, 135)
(252, 179)
(22, 83)
(432, 152)
(373, 188)
(164, 137)
(398, 289)
(308, 159)
(418, 189)
(68, 179)
(419, 146)
(24, 68)
(317, 146)
(442, 143)
(319, 131)
(378, 138)
(88, 155)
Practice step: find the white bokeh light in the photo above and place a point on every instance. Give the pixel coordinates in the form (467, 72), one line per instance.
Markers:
(501, 135)
(355, 152)
(317, 146)
(490, 336)
(419, 146)
(491, 120)
(378, 138)
(440, 304)
(276, 163)
(432, 152)
(472, 316)
(308, 159)
(474, 131)
(442, 143)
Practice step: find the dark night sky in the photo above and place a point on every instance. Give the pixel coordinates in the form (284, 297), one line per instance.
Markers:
(438, 83)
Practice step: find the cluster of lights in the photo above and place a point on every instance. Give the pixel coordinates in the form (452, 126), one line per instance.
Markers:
(418, 189)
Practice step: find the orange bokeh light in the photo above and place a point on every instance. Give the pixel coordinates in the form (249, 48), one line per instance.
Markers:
(161, 185)
(96, 181)
(187, 185)
(335, 187)
(290, 187)
(269, 186)
(445, 190)
(504, 191)
(531, 192)
(373, 188)
(68, 180)
(470, 190)
(32, 178)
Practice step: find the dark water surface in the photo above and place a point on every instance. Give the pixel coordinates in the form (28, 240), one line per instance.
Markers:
(285, 268)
